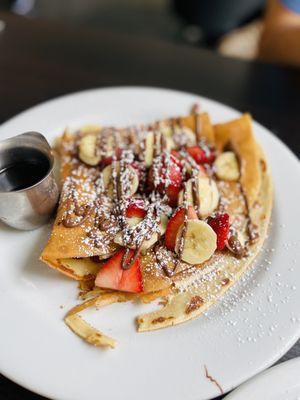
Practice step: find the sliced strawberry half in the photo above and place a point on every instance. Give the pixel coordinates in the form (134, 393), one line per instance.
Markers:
(173, 192)
(174, 225)
(220, 224)
(136, 208)
(174, 178)
(113, 276)
(200, 155)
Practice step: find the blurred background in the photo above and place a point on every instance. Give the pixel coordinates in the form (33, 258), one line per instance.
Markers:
(235, 28)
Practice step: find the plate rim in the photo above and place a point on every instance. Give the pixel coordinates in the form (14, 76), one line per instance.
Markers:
(262, 377)
(296, 336)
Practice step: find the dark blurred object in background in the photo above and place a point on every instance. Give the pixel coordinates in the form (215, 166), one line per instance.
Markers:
(217, 17)
(199, 22)
(245, 29)
(5, 4)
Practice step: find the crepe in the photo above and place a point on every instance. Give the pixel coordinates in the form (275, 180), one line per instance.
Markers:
(194, 294)
(68, 250)
(192, 289)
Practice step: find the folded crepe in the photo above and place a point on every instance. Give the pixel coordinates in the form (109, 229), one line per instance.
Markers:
(79, 250)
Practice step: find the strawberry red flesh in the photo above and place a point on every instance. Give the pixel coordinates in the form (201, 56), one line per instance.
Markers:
(220, 224)
(113, 276)
(174, 225)
(173, 192)
(200, 155)
(174, 178)
(136, 208)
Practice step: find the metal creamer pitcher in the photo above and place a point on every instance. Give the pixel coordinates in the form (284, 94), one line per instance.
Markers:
(28, 190)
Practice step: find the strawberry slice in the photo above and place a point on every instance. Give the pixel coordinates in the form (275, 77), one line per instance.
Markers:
(174, 178)
(136, 208)
(200, 155)
(113, 276)
(173, 192)
(174, 225)
(220, 224)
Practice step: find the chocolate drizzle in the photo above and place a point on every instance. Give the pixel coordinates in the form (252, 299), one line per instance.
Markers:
(195, 194)
(76, 214)
(70, 221)
(181, 239)
(252, 229)
(111, 219)
(127, 262)
(235, 246)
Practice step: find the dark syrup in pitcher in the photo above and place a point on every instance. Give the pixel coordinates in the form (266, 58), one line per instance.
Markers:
(29, 168)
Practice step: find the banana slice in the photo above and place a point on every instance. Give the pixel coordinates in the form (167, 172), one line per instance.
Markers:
(88, 143)
(87, 150)
(184, 136)
(208, 194)
(166, 130)
(131, 222)
(149, 148)
(170, 145)
(132, 174)
(227, 166)
(147, 243)
(110, 146)
(154, 238)
(200, 242)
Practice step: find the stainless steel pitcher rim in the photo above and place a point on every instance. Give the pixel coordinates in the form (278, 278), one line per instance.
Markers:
(49, 156)
(32, 206)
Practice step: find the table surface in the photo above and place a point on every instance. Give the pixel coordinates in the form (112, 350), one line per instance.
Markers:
(40, 60)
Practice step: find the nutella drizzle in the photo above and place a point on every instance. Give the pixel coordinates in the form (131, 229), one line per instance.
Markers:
(252, 230)
(116, 221)
(127, 262)
(234, 245)
(181, 239)
(195, 194)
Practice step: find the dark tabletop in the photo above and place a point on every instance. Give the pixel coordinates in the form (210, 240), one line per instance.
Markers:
(40, 60)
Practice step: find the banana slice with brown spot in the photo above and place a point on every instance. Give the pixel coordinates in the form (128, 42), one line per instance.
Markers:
(227, 166)
(132, 177)
(200, 242)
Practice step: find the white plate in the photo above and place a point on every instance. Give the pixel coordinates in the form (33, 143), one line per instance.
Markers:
(277, 383)
(248, 331)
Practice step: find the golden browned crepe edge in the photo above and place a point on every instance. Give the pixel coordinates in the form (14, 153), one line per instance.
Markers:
(238, 135)
(192, 302)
